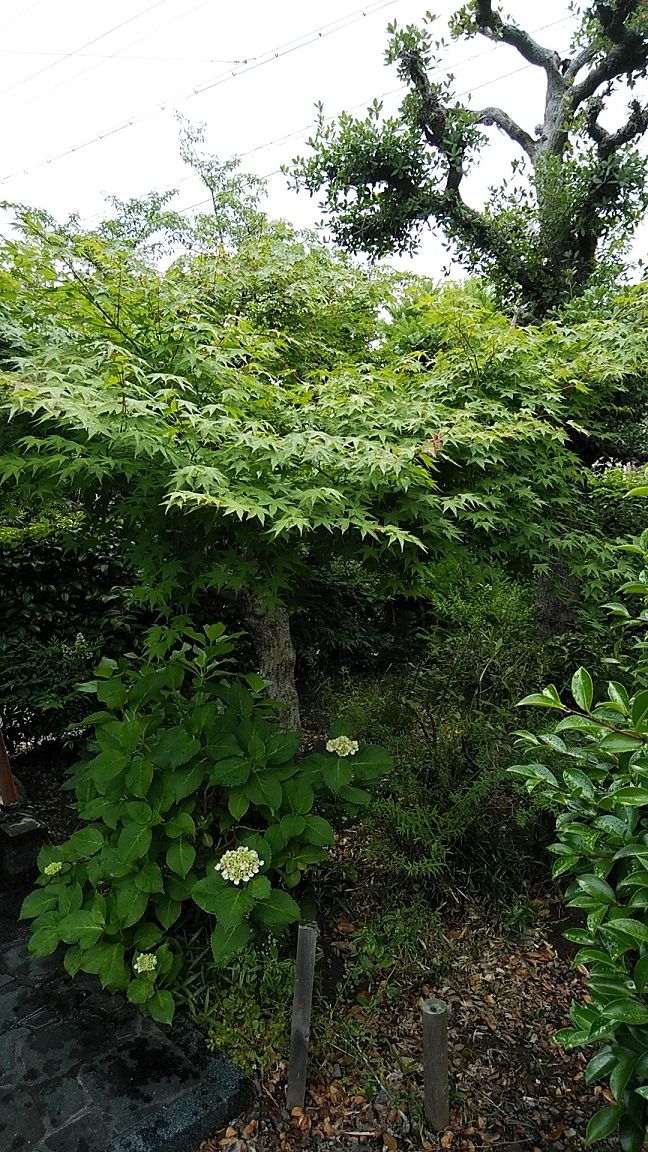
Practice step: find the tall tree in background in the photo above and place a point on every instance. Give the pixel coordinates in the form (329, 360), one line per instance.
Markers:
(572, 199)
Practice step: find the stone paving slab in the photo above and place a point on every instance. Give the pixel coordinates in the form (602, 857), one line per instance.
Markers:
(82, 1071)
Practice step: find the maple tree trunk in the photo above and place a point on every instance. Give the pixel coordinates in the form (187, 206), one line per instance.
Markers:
(556, 601)
(270, 628)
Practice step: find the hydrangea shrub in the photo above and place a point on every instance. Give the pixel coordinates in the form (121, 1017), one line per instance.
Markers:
(195, 802)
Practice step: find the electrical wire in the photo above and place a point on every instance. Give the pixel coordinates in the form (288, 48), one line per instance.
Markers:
(73, 52)
(364, 103)
(268, 57)
(102, 60)
(12, 19)
(402, 88)
(137, 59)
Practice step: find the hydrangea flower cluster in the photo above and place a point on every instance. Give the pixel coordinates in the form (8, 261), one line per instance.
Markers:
(52, 869)
(144, 962)
(239, 865)
(343, 746)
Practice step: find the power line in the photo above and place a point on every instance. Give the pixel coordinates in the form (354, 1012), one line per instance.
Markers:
(268, 57)
(73, 52)
(366, 101)
(112, 56)
(138, 59)
(12, 19)
(402, 88)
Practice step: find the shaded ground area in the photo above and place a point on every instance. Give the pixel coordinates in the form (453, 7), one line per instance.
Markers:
(42, 771)
(512, 1088)
(80, 1071)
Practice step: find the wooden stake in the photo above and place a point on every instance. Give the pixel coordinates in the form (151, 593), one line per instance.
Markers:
(435, 1064)
(8, 791)
(301, 1015)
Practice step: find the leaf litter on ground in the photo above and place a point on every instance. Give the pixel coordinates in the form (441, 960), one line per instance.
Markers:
(512, 1088)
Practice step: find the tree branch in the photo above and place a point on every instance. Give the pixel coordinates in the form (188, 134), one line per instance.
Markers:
(435, 124)
(501, 119)
(629, 52)
(492, 26)
(575, 65)
(609, 142)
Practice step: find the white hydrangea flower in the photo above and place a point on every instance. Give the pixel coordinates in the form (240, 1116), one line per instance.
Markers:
(52, 869)
(144, 962)
(239, 865)
(343, 746)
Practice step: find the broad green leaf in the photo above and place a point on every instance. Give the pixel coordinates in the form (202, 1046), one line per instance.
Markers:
(238, 803)
(41, 900)
(134, 842)
(626, 1011)
(619, 695)
(600, 1066)
(173, 748)
(182, 824)
(207, 892)
(139, 776)
(337, 773)
(140, 990)
(631, 1133)
(161, 1007)
(235, 903)
(71, 899)
(147, 936)
(640, 707)
(299, 796)
(231, 773)
(603, 1123)
(85, 842)
(131, 904)
(138, 812)
(149, 878)
(542, 700)
(180, 857)
(277, 910)
(226, 942)
(264, 789)
(80, 928)
(318, 831)
(184, 781)
(640, 974)
(618, 742)
(290, 826)
(44, 941)
(259, 887)
(110, 967)
(167, 910)
(582, 689)
(636, 797)
(594, 886)
(621, 1074)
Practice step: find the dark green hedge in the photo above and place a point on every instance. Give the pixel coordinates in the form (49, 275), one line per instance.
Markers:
(63, 602)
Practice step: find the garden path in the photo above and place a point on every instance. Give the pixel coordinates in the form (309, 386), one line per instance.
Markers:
(81, 1071)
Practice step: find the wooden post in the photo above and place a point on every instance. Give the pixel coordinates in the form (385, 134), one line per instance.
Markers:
(8, 791)
(435, 1064)
(301, 1015)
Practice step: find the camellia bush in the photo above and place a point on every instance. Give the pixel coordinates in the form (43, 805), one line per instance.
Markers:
(194, 803)
(592, 769)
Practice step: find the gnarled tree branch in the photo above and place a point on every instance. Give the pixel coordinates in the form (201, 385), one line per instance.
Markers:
(609, 142)
(628, 54)
(495, 28)
(434, 123)
(501, 119)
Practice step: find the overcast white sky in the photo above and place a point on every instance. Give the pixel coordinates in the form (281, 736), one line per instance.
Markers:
(74, 71)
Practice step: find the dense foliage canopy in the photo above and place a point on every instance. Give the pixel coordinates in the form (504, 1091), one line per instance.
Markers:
(572, 199)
